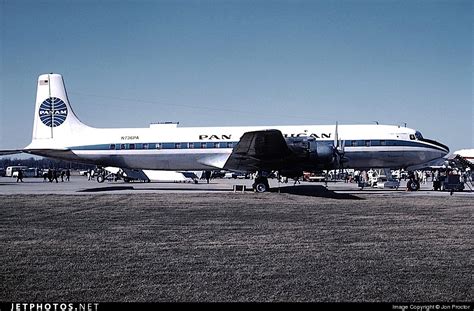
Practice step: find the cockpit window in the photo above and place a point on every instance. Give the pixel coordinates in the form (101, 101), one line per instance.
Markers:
(418, 135)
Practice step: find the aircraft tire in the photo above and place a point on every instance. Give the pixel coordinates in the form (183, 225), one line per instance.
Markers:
(100, 179)
(413, 185)
(261, 185)
(260, 188)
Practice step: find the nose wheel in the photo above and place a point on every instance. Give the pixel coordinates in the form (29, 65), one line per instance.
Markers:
(413, 185)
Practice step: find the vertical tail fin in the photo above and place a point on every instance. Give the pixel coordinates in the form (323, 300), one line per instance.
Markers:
(54, 118)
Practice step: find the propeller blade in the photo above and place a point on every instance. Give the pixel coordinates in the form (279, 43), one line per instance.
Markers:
(338, 143)
(339, 148)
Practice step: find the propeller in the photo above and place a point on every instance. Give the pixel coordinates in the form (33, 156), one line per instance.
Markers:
(338, 148)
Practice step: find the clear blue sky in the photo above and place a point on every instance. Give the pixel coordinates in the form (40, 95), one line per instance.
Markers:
(213, 63)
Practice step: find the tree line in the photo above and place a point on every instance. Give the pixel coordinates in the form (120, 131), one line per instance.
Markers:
(44, 163)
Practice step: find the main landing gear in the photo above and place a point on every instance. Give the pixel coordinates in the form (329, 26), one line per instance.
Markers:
(261, 183)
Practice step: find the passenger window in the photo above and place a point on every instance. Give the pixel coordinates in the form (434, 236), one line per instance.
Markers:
(131, 146)
(112, 146)
(412, 137)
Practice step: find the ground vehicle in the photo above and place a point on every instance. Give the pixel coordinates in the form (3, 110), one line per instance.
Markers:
(235, 175)
(382, 179)
(450, 182)
(399, 174)
(83, 172)
(12, 169)
(230, 175)
(29, 172)
(32, 172)
(383, 182)
(307, 176)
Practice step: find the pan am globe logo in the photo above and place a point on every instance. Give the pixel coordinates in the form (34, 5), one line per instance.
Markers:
(53, 112)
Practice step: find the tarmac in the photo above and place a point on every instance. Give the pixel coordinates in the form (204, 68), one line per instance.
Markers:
(185, 242)
(80, 185)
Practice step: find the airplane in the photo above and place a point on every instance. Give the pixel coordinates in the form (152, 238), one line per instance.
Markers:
(467, 154)
(290, 150)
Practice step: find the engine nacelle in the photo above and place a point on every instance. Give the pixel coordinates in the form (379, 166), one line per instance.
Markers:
(320, 152)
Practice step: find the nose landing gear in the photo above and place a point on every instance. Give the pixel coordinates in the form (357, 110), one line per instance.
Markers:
(413, 183)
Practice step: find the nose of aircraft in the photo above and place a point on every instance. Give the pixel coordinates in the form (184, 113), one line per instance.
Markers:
(442, 149)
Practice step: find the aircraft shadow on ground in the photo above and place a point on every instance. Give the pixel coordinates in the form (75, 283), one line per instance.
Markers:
(184, 189)
(102, 189)
(121, 188)
(315, 191)
(303, 190)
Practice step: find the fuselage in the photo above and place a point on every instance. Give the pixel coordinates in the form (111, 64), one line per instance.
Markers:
(169, 147)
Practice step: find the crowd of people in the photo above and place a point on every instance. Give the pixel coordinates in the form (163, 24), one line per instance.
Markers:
(49, 175)
(53, 175)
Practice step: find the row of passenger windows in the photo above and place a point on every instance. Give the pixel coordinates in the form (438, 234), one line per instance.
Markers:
(172, 146)
(365, 143)
(348, 143)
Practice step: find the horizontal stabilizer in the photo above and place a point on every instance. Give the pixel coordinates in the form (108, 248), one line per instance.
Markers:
(64, 154)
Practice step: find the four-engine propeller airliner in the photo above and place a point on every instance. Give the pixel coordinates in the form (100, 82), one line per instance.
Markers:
(290, 150)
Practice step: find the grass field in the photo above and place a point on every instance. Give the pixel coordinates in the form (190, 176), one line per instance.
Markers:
(235, 247)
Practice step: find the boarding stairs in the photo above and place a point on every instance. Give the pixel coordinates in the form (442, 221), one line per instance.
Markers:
(466, 165)
(469, 182)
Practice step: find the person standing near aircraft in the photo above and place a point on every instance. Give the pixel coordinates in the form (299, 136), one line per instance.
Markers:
(55, 175)
(19, 177)
(364, 177)
(68, 174)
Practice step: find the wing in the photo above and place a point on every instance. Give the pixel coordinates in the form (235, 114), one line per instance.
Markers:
(259, 150)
